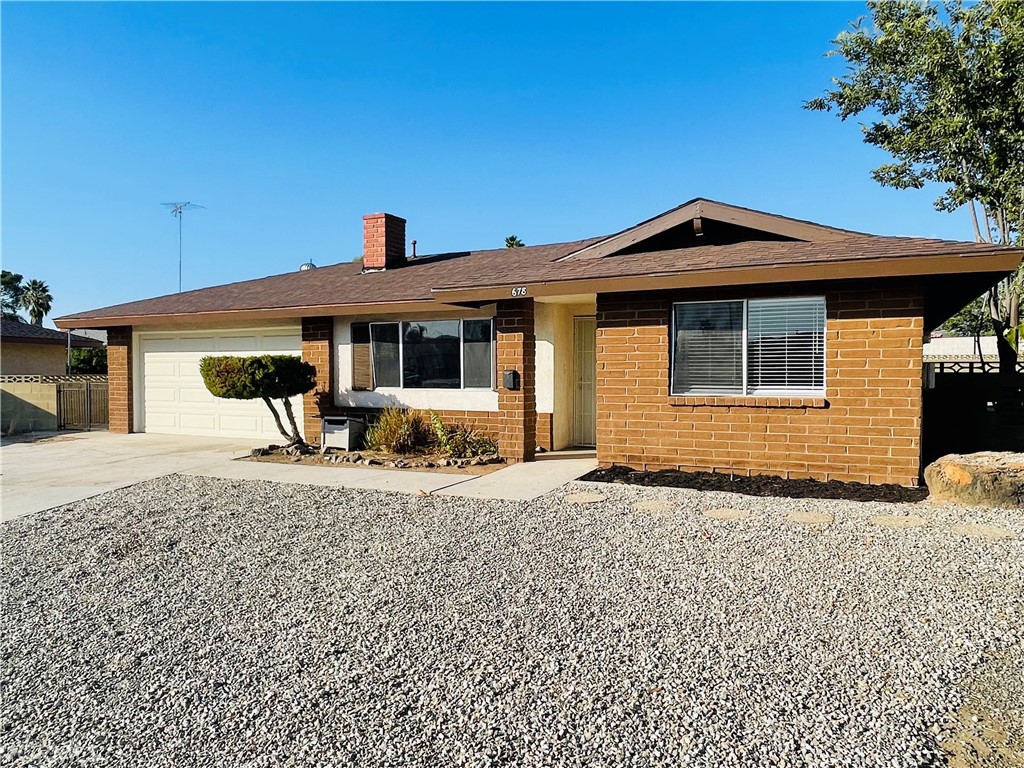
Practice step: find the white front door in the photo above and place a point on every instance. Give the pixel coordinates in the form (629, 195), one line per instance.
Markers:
(173, 399)
(585, 379)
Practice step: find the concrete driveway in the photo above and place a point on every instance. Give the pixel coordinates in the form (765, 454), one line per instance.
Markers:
(71, 466)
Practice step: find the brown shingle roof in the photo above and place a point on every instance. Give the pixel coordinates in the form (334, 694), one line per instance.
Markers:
(344, 284)
(424, 279)
(712, 257)
(27, 333)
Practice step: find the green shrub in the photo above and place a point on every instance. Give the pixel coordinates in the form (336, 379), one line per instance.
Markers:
(266, 377)
(399, 431)
(247, 378)
(457, 441)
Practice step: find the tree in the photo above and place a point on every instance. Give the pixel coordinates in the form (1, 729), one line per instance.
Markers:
(267, 377)
(945, 88)
(513, 242)
(37, 300)
(88, 360)
(972, 320)
(11, 294)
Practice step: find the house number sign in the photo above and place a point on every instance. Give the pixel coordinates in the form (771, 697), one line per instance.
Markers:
(518, 291)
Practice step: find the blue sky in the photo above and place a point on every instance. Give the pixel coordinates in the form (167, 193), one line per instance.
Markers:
(473, 121)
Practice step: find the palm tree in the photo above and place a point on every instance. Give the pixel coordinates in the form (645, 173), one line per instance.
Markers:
(513, 242)
(37, 300)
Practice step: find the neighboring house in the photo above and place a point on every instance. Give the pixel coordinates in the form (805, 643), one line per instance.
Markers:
(32, 349)
(940, 349)
(710, 337)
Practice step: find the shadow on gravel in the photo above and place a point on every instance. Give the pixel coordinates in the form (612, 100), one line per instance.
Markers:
(758, 485)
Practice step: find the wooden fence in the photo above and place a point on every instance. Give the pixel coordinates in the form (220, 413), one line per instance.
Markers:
(82, 405)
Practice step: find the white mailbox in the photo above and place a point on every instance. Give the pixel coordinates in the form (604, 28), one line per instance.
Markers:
(344, 432)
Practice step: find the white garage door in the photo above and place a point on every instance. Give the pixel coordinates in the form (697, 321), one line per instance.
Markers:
(174, 399)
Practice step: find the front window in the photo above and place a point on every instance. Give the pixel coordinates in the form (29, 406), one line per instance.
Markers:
(752, 347)
(431, 356)
(425, 354)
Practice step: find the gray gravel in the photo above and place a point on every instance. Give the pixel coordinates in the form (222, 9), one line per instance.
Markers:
(198, 622)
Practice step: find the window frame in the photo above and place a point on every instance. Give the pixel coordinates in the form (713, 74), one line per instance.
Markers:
(747, 393)
(462, 354)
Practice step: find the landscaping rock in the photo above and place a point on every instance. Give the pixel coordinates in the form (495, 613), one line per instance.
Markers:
(216, 623)
(986, 479)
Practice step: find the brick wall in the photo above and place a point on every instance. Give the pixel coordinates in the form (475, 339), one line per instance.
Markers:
(517, 350)
(867, 428)
(317, 341)
(493, 423)
(545, 432)
(119, 379)
(383, 241)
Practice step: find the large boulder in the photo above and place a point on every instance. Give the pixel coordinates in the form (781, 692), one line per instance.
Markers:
(986, 479)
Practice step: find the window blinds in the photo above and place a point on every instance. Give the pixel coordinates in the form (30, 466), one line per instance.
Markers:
(709, 348)
(754, 347)
(785, 345)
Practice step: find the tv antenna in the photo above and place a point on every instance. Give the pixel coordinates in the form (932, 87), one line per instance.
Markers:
(177, 210)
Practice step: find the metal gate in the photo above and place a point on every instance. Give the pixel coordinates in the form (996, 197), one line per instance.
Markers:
(82, 405)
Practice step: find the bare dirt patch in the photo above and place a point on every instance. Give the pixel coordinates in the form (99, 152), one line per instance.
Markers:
(584, 498)
(987, 731)
(727, 513)
(980, 531)
(810, 518)
(655, 506)
(898, 521)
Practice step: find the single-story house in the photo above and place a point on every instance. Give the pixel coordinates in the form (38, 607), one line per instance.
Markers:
(710, 337)
(26, 348)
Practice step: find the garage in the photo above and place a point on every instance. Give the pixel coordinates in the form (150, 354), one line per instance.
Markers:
(175, 401)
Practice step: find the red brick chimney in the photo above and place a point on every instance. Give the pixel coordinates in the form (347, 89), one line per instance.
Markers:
(383, 241)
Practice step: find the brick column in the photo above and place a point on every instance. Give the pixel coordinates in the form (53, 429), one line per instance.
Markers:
(517, 346)
(317, 341)
(120, 391)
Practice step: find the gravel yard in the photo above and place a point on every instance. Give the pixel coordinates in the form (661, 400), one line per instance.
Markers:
(198, 622)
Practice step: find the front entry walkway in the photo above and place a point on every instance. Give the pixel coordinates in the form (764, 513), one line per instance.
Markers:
(72, 466)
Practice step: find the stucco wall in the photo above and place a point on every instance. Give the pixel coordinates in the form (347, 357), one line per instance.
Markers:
(556, 374)
(383, 397)
(44, 359)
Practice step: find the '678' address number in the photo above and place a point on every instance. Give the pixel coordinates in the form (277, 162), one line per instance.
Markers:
(518, 291)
